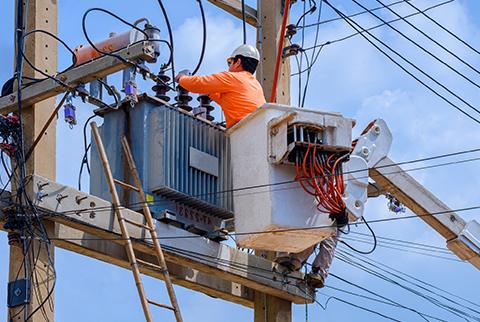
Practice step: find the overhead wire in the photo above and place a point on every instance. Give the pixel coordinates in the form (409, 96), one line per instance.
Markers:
(331, 42)
(354, 15)
(204, 39)
(244, 23)
(427, 51)
(350, 260)
(358, 28)
(443, 27)
(287, 188)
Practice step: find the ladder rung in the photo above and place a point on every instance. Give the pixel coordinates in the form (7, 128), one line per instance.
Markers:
(137, 224)
(161, 305)
(126, 185)
(154, 266)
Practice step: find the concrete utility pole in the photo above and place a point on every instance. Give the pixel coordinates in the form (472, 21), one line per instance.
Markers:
(41, 50)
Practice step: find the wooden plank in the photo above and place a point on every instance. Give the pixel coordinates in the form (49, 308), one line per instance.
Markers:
(82, 74)
(181, 247)
(270, 14)
(234, 7)
(420, 201)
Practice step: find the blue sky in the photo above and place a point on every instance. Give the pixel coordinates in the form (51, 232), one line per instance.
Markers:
(350, 77)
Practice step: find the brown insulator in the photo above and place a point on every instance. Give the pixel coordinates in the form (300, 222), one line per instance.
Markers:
(205, 103)
(161, 88)
(183, 99)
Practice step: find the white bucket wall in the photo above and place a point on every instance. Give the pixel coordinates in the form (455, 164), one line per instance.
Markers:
(270, 205)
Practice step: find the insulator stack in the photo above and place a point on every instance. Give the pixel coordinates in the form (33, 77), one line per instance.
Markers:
(161, 88)
(205, 107)
(183, 99)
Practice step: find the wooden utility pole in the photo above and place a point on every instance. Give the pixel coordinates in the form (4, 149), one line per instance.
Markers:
(41, 50)
(269, 308)
(270, 15)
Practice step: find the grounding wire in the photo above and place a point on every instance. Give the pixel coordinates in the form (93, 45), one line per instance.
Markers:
(357, 27)
(374, 241)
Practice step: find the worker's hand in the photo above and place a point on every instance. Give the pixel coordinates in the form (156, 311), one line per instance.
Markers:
(182, 73)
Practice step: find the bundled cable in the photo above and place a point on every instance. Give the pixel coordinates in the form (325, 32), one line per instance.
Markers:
(320, 174)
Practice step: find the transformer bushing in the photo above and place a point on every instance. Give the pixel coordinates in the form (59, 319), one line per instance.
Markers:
(161, 88)
(205, 107)
(183, 99)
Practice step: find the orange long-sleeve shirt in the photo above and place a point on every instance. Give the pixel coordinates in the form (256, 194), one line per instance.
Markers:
(238, 93)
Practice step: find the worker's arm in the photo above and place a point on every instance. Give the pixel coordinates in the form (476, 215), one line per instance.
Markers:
(215, 83)
(215, 97)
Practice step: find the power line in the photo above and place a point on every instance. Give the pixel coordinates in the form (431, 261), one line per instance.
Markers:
(353, 15)
(357, 27)
(382, 220)
(349, 258)
(108, 208)
(443, 28)
(423, 48)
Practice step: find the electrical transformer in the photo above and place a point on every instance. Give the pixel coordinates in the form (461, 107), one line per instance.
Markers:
(278, 151)
(183, 161)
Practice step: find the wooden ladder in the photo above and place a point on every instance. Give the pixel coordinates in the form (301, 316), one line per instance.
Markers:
(149, 227)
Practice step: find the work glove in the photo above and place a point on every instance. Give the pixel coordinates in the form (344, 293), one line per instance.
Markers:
(185, 72)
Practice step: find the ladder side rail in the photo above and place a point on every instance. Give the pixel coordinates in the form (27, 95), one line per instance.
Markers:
(148, 216)
(123, 227)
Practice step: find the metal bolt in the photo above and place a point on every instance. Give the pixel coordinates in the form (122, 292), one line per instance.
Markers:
(365, 151)
(60, 197)
(453, 218)
(79, 199)
(12, 98)
(17, 292)
(92, 214)
(358, 203)
(41, 185)
(377, 129)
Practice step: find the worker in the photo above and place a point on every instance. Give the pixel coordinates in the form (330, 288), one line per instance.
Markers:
(237, 91)
(324, 258)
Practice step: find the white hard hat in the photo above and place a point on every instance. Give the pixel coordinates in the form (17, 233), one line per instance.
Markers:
(246, 51)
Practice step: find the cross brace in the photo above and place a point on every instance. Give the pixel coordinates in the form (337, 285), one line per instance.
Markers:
(92, 215)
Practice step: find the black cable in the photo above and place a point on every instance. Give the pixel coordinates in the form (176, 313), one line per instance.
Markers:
(355, 26)
(455, 311)
(85, 33)
(416, 281)
(428, 52)
(170, 36)
(85, 155)
(374, 241)
(244, 23)
(204, 41)
(330, 42)
(74, 57)
(312, 9)
(355, 14)
(288, 188)
(383, 220)
(443, 28)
